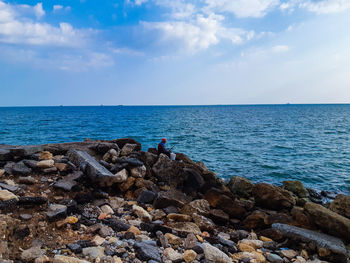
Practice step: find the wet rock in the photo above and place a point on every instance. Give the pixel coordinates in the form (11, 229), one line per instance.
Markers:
(295, 187)
(56, 212)
(214, 254)
(168, 171)
(32, 200)
(21, 169)
(94, 252)
(96, 172)
(146, 197)
(272, 197)
(329, 221)
(240, 186)
(6, 195)
(45, 164)
(185, 227)
(128, 149)
(145, 251)
(199, 206)
(314, 196)
(170, 198)
(138, 172)
(32, 253)
(341, 205)
(66, 259)
(309, 236)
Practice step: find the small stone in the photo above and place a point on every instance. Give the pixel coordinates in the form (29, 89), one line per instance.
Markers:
(121, 176)
(25, 217)
(134, 230)
(173, 240)
(214, 254)
(253, 243)
(170, 254)
(27, 180)
(146, 251)
(2, 172)
(142, 213)
(323, 252)
(273, 258)
(32, 253)
(179, 217)
(138, 172)
(45, 164)
(45, 155)
(127, 149)
(97, 240)
(94, 252)
(245, 248)
(300, 260)
(56, 212)
(288, 253)
(65, 259)
(7, 195)
(42, 259)
(21, 169)
(190, 241)
(146, 197)
(107, 209)
(103, 216)
(190, 256)
(265, 239)
(62, 167)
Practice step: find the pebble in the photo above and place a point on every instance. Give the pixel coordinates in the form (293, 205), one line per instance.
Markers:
(65, 259)
(32, 253)
(190, 256)
(94, 252)
(6, 195)
(273, 258)
(214, 254)
(45, 164)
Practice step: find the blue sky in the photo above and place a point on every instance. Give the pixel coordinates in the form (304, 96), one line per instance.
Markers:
(155, 52)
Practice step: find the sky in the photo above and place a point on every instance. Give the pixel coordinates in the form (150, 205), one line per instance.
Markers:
(174, 52)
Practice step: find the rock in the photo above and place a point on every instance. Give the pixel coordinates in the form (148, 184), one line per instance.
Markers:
(5, 155)
(6, 195)
(190, 241)
(31, 164)
(138, 172)
(94, 252)
(288, 253)
(146, 197)
(4, 250)
(341, 205)
(116, 224)
(121, 176)
(42, 259)
(145, 251)
(32, 253)
(10, 187)
(27, 180)
(255, 220)
(66, 185)
(273, 258)
(107, 209)
(21, 169)
(190, 256)
(214, 254)
(219, 216)
(256, 244)
(142, 213)
(45, 164)
(125, 186)
(199, 206)
(245, 248)
(128, 149)
(45, 155)
(170, 198)
(168, 171)
(219, 199)
(204, 224)
(56, 212)
(2, 172)
(97, 240)
(111, 155)
(25, 217)
(240, 186)
(65, 259)
(272, 197)
(96, 172)
(62, 167)
(32, 200)
(179, 217)
(295, 187)
(308, 236)
(328, 221)
(193, 179)
(185, 227)
(170, 254)
(174, 240)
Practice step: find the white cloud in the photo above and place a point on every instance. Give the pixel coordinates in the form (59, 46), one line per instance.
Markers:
(280, 48)
(38, 10)
(319, 7)
(57, 7)
(16, 29)
(136, 2)
(243, 8)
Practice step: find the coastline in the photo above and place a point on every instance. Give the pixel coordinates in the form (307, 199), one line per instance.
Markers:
(108, 201)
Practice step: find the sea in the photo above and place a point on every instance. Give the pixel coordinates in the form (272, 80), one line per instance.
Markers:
(264, 143)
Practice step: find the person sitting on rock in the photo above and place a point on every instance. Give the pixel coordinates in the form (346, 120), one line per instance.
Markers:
(163, 149)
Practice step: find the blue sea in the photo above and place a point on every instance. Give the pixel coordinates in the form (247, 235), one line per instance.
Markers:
(269, 143)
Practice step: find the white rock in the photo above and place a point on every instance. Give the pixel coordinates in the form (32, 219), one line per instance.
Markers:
(170, 254)
(94, 252)
(7, 195)
(138, 172)
(45, 164)
(107, 209)
(214, 254)
(121, 176)
(128, 148)
(142, 213)
(65, 259)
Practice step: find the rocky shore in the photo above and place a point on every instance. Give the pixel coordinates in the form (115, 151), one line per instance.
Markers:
(108, 201)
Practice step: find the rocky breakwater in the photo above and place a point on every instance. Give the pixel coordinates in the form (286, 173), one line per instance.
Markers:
(108, 201)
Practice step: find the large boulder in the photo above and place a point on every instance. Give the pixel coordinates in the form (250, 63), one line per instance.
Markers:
(193, 179)
(170, 198)
(96, 172)
(328, 221)
(168, 171)
(272, 197)
(240, 186)
(296, 187)
(341, 205)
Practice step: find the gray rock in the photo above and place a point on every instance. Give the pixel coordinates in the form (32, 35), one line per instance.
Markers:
(146, 197)
(5, 155)
(56, 212)
(11, 188)
(21, 169)
(214, 254)
(66, 185)
(321, 240)
(145, 251)
(32, 253)
(170, 198)
(273, 258)
(92, 168)
(25, 217)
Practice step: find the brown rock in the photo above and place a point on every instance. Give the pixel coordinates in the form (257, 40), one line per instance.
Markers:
(169, 171)
(125, 186)
(255, 220)
(62, 167)
(205, 224)
(199, 206)
(341, 205)
(190, 256)
(329, 221)
(219, 216)
(300, 218)
(240, 186)
(245, 247)
(179, 217)
(272, 197)
(173, 240)
(45, 155)
(279, 218)
(170, 198)
(295, 187)
(185, 227)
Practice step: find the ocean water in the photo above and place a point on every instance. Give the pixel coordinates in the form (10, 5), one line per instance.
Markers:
(268, 143)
